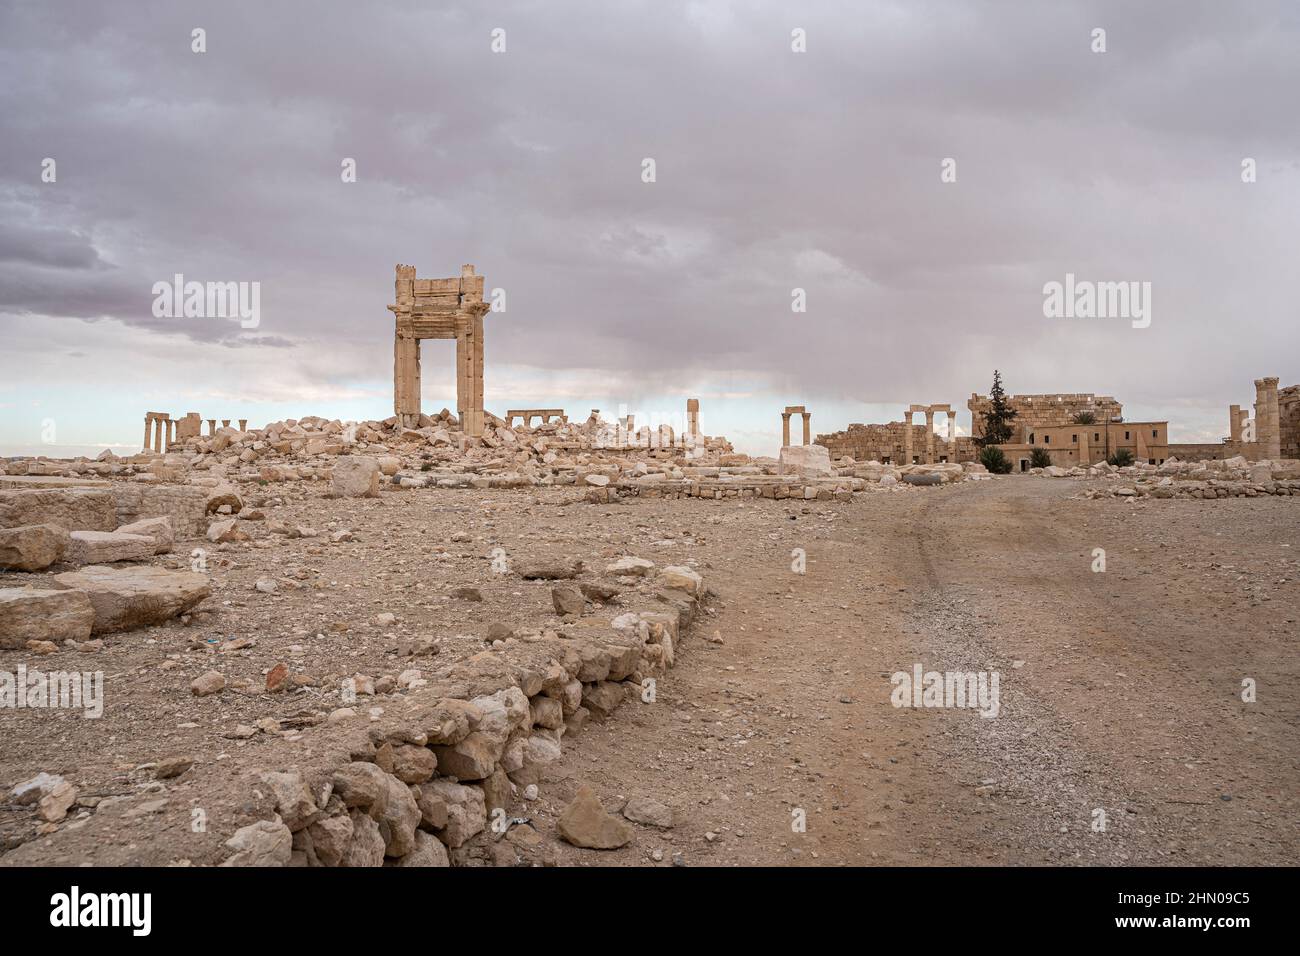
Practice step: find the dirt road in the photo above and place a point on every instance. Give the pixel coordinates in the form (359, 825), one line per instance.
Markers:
(1120, 691)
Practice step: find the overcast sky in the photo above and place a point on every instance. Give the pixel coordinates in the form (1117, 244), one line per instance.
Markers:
(775, 170)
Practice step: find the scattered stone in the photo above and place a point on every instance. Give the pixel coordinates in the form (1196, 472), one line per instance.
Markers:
(212, 682)
(568, 600)
(585, 823)
(641, 809)
(170, 767)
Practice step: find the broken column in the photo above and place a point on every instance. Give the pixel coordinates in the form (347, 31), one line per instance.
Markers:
(929, 436)
(907, 436)
(1268, 424)
(1234, 423)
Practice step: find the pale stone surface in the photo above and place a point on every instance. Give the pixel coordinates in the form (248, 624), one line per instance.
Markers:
(806, 460)
(41, 614)
(683, 578)
(32, 547)
(643, 809)
(87, 509)
(103, 547)
(355, 477)
(264, 843)
(630, 565)
(159, 529)
(131, 597)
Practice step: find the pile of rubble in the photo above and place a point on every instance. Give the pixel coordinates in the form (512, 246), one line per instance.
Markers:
(1227, 478)
(605, 460)
(98, 588)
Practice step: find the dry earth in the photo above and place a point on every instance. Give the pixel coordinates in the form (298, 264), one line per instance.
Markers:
(1119, 691)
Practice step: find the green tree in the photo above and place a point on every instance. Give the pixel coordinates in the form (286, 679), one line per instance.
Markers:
(1039, 458)
(1000, 414)
(1122, 458)
(991, 457)
(1085, 418)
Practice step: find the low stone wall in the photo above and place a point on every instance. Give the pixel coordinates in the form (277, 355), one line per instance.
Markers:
(184, 504)
(427, 783)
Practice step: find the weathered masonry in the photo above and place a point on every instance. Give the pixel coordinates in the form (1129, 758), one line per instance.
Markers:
(439, 309)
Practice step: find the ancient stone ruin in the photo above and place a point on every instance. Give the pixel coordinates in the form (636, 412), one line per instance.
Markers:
(439, 309)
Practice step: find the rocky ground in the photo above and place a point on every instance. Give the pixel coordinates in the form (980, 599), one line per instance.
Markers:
(1120, 691)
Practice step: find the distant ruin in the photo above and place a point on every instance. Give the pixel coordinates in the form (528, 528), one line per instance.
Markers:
(439, 309)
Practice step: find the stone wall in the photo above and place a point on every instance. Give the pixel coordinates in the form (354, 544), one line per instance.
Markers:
(1288, 404)
(887, 443)
(428, 784)
(1039, 411)
(184, 504)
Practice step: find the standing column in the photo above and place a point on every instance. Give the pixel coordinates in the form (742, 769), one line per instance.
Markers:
(929, 437)
(148, 423)
(1234, 423)
(693, 417)
(785, 429)
(952, 428)
(212, 427)
(1268, 431)
(907, 437)
(406, 379)
(807, 428)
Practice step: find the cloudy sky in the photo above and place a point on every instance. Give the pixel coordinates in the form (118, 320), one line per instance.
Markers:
(775, 170)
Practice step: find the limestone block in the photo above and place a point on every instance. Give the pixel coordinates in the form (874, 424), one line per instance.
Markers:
(42, 614)
(131, 597)
(69, 508)
(32, 547)
(355, 477)
(805, 460)
(159, 529)
(103, 547)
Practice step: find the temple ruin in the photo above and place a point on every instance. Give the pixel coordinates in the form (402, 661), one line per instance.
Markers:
(785, 424)
(161, 431)
(439, 309)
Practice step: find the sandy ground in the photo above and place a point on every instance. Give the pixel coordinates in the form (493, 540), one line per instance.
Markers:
(1120, 692)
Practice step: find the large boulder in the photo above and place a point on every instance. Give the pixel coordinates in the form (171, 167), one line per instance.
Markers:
(806, 460)
(355, 477)
(127, 598)
(90, 509)
(42, 614)
(32, 547)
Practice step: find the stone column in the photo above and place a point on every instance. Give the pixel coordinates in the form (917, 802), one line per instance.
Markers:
(952, 428)
(243, 424)
(785, 429)
(929, 437)
(693, 417)
(907, 437)
(212, 427)
(1234, 423)
(148, 422)
(157, 434)
(807, 428)
(1268, 425)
